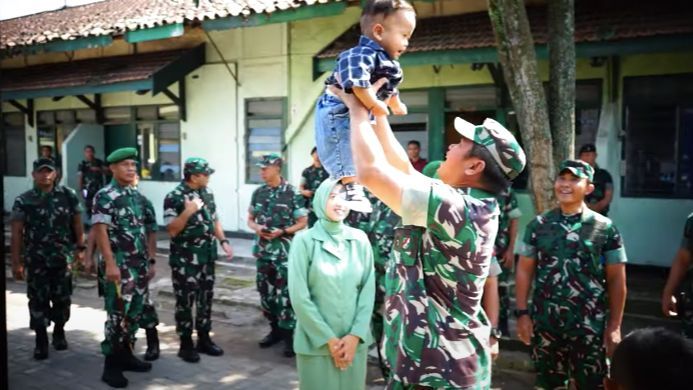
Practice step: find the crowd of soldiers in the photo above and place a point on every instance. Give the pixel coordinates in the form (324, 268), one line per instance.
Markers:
(572, 256)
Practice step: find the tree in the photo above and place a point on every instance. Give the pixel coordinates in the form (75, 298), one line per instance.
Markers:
(547, 138)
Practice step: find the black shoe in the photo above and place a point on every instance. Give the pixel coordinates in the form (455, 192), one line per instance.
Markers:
(113, 373)
(41, 350)
(59, 341)
(273, 337)
(289, 343)
(129, 362)
(356, 198)
(152, 345)
(187, 352)
(206, 345)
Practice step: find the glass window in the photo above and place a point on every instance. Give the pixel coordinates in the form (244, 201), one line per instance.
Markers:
(159, 145)
(15, 144)
(659, 136)
(265, 131)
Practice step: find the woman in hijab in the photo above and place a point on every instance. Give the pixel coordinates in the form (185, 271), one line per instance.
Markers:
(332, 289)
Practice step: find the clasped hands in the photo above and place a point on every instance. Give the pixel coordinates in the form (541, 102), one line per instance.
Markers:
(343, 350)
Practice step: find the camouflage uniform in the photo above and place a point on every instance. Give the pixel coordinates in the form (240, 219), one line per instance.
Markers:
(436, 334)
(92, 181)
(602, 182)
(275, 207)
(686, 291)
(123, 210)
(49, 246)
(311, 179)
(150, 319)
(569, 303)
(192, 259)
(507, 204)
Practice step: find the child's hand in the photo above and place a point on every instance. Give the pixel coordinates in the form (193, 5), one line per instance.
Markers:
(399, 109)
(380, 109)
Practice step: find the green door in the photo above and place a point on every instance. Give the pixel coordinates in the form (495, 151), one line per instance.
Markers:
(120, 136)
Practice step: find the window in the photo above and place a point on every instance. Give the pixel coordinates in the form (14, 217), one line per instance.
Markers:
(658, 148)
(588, 100)
(158, 139)
(15, 144)
(265, 123)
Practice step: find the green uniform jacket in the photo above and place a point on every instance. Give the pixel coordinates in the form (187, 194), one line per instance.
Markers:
(331, 291)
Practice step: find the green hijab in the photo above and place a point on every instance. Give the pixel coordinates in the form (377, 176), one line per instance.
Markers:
(322, 195)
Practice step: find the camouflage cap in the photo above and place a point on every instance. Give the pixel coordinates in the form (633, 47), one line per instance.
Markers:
(578, 168)
(270, 159)
(44, 163)
(502, 145)
(122, 154)
(194, 165)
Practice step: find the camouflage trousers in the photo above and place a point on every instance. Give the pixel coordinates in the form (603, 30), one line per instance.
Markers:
(559, 358)
(193, 283)
(150, 319)
(685, 308)
(49, 291)
(506, 285)
(272, 284)
(124, 312)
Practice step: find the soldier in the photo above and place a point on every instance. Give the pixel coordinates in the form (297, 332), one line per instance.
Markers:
(275, 214)
(90, 173)
(682, 308)
(436, 334)
(119, 223)
(310, 181)
(504, 252)
(599, 199)
(576, 260)
(46, 152)
(190, 214)
(47, 221)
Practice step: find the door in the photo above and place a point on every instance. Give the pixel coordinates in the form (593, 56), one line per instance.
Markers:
(119, 136)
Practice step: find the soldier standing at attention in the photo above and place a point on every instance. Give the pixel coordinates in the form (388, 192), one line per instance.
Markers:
(190, 215)
(47, 222)
(275, 214)
(599, 199)
(576, 260)
(119, 223)
(90, 173)
(310, 181)
(677, 276)
(436, 334)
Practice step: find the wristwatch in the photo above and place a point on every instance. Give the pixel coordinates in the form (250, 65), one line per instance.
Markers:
(224, 241)
(496, 333)
(521, 312)
(284, 232)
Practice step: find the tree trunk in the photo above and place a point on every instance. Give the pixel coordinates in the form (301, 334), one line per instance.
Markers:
(519, 61)
(561, 23)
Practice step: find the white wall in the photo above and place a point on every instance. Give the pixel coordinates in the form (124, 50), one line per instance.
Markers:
(73, 150)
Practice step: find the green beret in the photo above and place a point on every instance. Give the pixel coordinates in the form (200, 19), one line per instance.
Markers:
(122, 154)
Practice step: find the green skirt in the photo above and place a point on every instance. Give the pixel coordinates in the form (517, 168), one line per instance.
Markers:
(319, 372)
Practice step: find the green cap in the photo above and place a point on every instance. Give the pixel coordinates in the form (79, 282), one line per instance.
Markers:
(195, 165)
(270, 159)
(502, 145)
(44, 163)
(431, 169)
(122, 154)
(578, 168)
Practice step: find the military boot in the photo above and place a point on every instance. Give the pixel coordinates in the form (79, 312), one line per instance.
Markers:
(288, 343)
(206, 345)
(41, 350)
(59, 341)
(187, 351)
(113, 372)
(130, 362)
(273, 337)
(152, 345)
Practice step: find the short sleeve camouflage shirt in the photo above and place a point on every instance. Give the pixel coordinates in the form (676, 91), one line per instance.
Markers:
(311, 179)
(47, 218)
(509, 210)
(92, 174)
(198, 234)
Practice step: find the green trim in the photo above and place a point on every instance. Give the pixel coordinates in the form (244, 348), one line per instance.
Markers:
(154, 33)
(79, 90)
(69, 45)
(582, 50)
(436, 123)
(300, 13)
